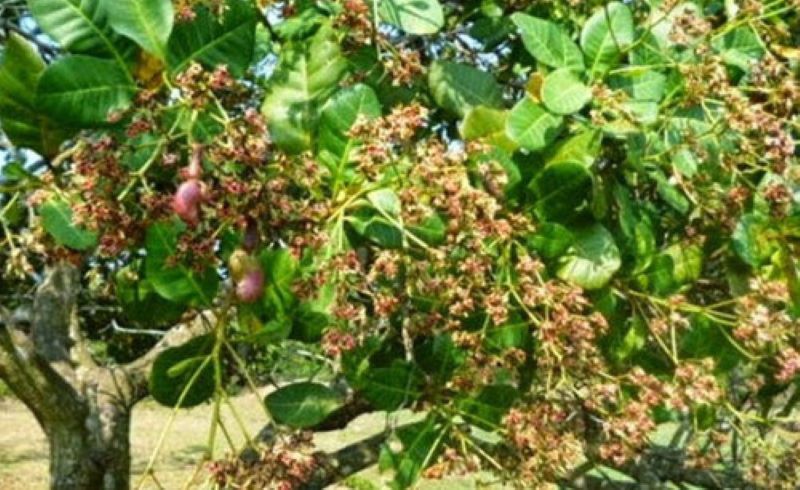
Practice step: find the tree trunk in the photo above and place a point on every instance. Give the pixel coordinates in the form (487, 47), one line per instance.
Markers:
(93, 453)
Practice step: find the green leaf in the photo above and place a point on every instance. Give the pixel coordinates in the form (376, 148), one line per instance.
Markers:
(183, 372)
(431, 230)
(642, 85)
(212, 41)
(413, 16)
(308, 73)
(548, 42)
(20, 69)
(482, 122)
(339, 114)
(487, 408)
(139, 301)
(302, 405)
(515, 334)
(147, 22)
(79, 26)
(593, 258)
(421, 443)
(175, 281)
(531, 126)
(752, 241)
(456, 87)
(740, 47)
(607, 32)
(83, 91)
(391, 387)
(564, 93)
(439, 356)
(551, 240)
(386, 201)
(58, 222)
(561, 189)
(583, 147)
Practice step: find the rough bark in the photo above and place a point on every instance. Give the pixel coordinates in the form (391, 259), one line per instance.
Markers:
(84, 409)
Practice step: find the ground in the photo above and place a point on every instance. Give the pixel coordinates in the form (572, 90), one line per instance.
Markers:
(23, 448)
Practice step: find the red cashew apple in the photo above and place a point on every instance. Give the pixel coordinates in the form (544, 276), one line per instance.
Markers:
(186, 202)
(251, 286)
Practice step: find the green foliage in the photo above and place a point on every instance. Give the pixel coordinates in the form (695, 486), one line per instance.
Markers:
(413, 16)
(546, 227)
(57, 220)
(302, 404)
(20, 70)
(183, 376)
(147, 22)
(308, 74)
(212, 41)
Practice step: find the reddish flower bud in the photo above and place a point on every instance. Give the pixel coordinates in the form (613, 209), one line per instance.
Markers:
(251, 287)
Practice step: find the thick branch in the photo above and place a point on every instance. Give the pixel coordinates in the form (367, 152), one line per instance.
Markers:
(335, 467)
(43, 390)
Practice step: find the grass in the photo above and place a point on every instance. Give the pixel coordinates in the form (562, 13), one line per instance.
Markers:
(24, 452)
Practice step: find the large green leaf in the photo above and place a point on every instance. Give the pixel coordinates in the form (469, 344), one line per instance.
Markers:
(564, 93)
(147, 22)
(175, 281)
(531, 126)
(80, 26)
(607, 32)
(413, 16)
(20, 68)
(214, 41)
(457, 87)
(58, 221)
(302, 405)
(340, 112)
(183, 376)
(308, 73)
(548, 42)
(82, 90)
(593, 258)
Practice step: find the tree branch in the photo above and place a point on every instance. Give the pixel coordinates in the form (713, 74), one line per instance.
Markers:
(33, 380)
(338, 465)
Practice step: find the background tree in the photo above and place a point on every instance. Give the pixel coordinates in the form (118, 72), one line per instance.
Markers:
(564, 233)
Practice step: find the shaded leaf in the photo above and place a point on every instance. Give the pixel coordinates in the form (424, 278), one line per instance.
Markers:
(182, 376)
(302, 405)
(214, 41)
(457, 87)
(308, 73)
(83, 91)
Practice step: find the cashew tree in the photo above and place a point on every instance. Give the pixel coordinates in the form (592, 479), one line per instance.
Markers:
(555, 242)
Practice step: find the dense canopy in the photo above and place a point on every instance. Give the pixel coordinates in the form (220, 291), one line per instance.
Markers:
(565, 233)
